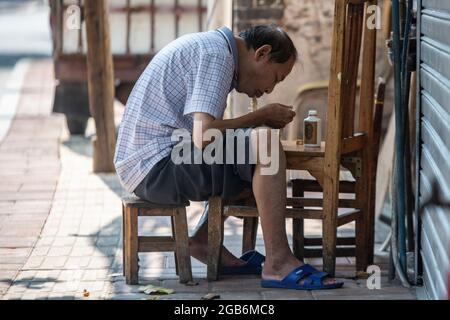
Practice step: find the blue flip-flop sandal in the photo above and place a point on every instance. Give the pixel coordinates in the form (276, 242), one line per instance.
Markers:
(311, 276)
(254, 260)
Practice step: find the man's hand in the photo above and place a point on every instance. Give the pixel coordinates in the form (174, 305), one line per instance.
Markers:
(276, 115)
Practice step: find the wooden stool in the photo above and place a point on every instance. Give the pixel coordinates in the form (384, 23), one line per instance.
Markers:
(133, 208)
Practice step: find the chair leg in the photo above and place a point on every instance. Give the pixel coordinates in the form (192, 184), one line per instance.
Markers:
(370, 230)
(361, 244)
(172, 219)
(215, 237)
(361, 229)
(329, 226)
(298, 229)
(249, 234)
(370, 221)
(182, 245)
(364, 225)
(131, 245)
(298, 238)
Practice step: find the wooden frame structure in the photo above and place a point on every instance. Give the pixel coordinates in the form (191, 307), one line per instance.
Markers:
(127, 66)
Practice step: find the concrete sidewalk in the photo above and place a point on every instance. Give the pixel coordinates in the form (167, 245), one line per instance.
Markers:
(78, 252)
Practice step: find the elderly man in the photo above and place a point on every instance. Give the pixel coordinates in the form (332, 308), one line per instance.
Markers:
(185, 87)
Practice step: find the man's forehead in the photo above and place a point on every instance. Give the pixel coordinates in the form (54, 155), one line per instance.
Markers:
(285, 68)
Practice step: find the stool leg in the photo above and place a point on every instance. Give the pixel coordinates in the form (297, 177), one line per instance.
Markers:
(182, 245)
(175, 253)
(123, 240)
(249, 234)
(215, 237)
(131, 245)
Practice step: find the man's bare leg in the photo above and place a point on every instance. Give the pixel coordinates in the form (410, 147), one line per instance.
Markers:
(199, 249)
(198, 242)
(270, 195)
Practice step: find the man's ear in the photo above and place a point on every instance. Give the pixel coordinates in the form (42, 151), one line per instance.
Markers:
(263, 52)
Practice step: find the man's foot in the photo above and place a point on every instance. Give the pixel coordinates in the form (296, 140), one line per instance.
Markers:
(199, 251)
(278, 271)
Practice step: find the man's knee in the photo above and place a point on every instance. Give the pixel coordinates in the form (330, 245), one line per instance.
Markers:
(266, 144)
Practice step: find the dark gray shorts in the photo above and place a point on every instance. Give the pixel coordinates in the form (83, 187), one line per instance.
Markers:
(170, 183)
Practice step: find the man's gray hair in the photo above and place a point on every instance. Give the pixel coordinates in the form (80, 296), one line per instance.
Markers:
(283, 48)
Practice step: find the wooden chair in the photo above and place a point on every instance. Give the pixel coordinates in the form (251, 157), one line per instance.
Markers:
(347, 145)
(133, 208)
(346, 246)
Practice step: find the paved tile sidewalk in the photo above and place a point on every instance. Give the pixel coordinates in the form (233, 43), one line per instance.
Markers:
(29, 170)
(79, 249)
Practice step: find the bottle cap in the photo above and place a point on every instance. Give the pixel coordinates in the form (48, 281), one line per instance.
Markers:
(312, 113)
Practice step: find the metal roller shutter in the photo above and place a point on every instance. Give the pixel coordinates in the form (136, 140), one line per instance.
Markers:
(434, 53)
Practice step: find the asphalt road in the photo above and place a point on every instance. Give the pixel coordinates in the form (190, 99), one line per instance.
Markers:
(24, 30)
(24, 33)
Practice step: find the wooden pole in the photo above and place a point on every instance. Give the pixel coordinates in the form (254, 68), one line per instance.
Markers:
(101, 83)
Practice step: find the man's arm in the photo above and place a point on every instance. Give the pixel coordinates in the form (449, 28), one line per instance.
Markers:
(273, 115)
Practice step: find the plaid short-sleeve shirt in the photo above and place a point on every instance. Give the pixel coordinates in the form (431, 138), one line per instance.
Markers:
(194, 73)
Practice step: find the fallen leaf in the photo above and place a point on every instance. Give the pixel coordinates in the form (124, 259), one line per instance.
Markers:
(86, 293)
(118, 274)
(362, 275)
(211, 296)
(192, 284)
(154, 290)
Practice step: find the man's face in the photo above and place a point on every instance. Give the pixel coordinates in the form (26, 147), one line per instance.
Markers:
(262, 75)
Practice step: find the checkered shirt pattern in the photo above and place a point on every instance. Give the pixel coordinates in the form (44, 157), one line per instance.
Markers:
(192, 74)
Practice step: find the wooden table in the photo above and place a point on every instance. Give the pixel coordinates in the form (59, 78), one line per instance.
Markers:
(299, 157)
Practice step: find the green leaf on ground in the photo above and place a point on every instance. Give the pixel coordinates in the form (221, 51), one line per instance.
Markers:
(154, 290)
(211, 296)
